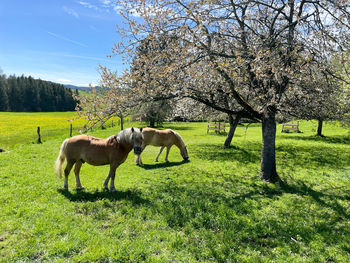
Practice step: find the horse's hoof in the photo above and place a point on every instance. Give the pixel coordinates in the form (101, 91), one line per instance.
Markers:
(80, 188)
(113, 190)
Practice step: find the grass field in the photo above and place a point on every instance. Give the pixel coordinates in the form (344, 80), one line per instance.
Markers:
(211, 209)
(21, 127)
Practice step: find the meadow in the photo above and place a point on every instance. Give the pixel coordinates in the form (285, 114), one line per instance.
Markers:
(21, 127)
(211, 209)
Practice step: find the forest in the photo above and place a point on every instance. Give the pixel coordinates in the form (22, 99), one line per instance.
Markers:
(26, 94)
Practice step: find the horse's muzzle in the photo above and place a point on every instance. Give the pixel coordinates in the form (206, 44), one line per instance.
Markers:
(137, 150)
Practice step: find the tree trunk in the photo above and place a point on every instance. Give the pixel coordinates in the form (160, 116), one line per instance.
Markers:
(319, 128)
(233, 126)
(121, 122)
(152, 123)
(268, 152)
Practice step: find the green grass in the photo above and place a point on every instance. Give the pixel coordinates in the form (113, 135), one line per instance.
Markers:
(211, 209)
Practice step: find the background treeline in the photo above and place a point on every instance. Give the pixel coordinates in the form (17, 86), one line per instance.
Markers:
(20, 94)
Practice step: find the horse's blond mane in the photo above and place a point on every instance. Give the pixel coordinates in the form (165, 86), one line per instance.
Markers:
(124, 136)
(180, 139)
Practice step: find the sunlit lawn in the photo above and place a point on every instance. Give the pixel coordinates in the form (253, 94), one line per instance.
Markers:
(211, 209)
(21, 127)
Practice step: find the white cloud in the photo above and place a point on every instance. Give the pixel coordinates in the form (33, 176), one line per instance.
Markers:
(88, 5)
(65, 81)
(106, 2)
(71, 12)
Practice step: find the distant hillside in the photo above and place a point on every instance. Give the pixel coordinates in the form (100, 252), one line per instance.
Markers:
(85, 89)
(73, 87)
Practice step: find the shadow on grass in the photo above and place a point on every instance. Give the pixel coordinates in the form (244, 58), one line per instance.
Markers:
(289, 156)
(84, 196)
(274, 217)
(324, 199)
(220, 153)
(311, 157)
(296, 187)
(162, 165)
(326, 139)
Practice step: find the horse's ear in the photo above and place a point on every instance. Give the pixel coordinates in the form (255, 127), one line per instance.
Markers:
(132, 129)
(141, 129)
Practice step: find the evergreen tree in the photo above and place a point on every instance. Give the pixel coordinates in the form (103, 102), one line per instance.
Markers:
(29, 94)
(3, 94)
(15, 95)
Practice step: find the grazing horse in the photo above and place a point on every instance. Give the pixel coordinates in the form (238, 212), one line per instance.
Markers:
(163, 138)
(84, 148)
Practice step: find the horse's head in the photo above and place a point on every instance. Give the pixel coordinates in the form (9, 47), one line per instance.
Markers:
(184, 153)
(136, 140)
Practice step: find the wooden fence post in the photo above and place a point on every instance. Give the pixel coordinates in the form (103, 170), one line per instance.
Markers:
(70, 130)
(39, 136)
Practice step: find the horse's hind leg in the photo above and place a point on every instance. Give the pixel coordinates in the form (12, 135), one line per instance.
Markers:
(160, 151)
(167, 153)
(77, 167)
(66, 173)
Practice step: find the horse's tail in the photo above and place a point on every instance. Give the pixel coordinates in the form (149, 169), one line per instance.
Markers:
(60, 159)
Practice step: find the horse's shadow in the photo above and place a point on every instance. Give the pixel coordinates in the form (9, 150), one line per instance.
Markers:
(161, 165)
(133, 196)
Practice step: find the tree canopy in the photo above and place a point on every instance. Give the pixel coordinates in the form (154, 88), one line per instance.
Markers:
(255, 53)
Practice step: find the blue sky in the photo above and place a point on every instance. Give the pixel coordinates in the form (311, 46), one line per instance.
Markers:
(58, 40)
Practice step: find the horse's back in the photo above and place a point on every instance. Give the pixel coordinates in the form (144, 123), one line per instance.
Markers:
(158, 137)
(82, 146)
(84, 140)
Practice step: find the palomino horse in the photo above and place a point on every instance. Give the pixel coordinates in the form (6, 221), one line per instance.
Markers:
(83, 148)
(163, 138)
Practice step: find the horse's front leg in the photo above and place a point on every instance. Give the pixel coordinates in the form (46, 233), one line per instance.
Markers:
(111, 175)
(105, 183)
(138, 158)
